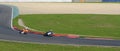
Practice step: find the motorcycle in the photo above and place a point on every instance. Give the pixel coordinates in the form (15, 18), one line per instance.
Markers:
(23, 32)
(48, 34)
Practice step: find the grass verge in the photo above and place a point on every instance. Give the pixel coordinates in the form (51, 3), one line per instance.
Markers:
(80, 24)
(15, 46)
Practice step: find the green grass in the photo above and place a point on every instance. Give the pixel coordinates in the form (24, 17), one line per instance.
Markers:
(81, 24)
(13, 46)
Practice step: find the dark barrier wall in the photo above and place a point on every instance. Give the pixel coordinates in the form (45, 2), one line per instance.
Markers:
(111, 1)
(75, 0)
(95, 0)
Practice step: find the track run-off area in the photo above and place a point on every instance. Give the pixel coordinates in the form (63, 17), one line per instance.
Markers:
(7, 33)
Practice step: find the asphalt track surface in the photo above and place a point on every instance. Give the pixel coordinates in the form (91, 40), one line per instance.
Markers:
(6, 33)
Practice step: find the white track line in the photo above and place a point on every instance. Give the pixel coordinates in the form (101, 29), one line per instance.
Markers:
(21, 23)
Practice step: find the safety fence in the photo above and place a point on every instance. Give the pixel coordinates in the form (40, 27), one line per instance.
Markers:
(35, 0)
(79, 1)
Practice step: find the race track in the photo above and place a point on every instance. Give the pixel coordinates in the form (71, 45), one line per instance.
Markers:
(6, 33)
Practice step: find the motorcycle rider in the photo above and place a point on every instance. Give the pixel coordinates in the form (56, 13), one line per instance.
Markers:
(24, 31)
(49, 33)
